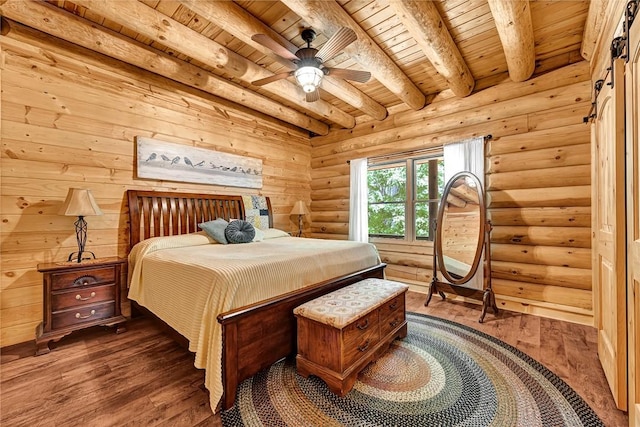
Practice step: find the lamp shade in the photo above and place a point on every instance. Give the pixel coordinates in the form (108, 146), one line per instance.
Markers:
(79, 202)
(309, 78)
(299, 209)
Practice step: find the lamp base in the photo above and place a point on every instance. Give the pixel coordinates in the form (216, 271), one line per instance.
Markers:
(81, 237)
(299, 226)
(79, 256)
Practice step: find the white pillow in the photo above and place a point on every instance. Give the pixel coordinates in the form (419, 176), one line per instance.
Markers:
(259, 235)
(272, 233)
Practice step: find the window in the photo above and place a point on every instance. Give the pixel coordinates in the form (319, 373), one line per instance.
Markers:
(404, 196)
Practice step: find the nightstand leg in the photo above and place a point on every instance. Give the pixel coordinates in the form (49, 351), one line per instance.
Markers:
(42, 348)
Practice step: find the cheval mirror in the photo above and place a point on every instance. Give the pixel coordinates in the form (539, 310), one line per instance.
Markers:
(461, 239)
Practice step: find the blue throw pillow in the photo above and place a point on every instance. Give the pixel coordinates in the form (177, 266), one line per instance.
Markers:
(239, 231)
(215, 229)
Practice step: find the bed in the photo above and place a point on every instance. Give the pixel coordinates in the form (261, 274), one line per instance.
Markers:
(254, 330)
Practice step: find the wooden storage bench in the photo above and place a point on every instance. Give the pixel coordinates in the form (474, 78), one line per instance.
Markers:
(341, 332)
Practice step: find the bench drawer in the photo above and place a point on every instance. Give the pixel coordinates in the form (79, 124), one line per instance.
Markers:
(392, 314)
(358, 337)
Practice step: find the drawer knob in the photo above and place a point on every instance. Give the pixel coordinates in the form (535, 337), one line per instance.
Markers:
(79, 297)
(394, 323)
(364, 325)
(364, 346)
(394, 305)
(79, 316)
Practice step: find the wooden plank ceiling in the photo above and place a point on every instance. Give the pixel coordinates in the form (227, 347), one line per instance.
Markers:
(414, 50)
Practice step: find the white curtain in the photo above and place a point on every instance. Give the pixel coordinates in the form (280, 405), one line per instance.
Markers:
(467, 155)
(358, 203)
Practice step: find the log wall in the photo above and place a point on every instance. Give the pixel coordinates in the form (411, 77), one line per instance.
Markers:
(537, 186)
(69, 118)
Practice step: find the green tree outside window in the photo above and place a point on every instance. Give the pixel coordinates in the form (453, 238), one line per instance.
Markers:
(403, 198)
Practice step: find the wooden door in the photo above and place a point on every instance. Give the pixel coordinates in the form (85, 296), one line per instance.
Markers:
(632, 101)
(608, 201)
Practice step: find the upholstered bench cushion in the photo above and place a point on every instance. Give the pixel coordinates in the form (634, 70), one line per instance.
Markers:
(343, 306)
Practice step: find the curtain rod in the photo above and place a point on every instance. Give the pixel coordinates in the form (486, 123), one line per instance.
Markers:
(486, 138)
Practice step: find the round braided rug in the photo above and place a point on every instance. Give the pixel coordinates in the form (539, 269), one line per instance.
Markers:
(441, 374)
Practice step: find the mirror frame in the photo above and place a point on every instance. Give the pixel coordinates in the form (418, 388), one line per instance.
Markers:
(481, 237)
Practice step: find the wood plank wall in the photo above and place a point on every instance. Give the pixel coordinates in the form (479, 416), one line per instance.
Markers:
(69, 118)
(538, 186)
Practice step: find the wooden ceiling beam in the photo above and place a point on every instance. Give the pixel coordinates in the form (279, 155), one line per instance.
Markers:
(59, 23)
(513, 22)
(424, 23)
(595, 19)
(242, 25)
(150, 23)
(328, 17)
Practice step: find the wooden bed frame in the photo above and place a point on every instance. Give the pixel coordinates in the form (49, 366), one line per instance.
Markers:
(255, 336)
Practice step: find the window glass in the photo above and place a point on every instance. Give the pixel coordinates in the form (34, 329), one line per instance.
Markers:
(387, 200)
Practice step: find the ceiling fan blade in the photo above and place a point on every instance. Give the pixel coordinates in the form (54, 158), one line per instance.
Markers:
(341, 39)
(354, 75)
(276, 47)
(313, 96)
(279, 76)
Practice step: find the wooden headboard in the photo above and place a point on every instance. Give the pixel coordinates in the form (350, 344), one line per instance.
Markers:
(159, 213)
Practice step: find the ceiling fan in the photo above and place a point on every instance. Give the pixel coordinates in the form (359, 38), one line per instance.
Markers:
(307, 62)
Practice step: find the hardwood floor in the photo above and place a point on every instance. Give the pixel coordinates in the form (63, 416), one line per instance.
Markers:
(143, 378)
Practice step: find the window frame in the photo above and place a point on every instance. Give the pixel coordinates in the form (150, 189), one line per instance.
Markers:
(409, 162)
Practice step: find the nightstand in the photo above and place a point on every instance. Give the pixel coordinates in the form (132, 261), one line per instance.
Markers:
(77, 296)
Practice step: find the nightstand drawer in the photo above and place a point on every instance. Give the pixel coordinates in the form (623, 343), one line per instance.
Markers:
(89, 313)
(82, 278)
(79, 297)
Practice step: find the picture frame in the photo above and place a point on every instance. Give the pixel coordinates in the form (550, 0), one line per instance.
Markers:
(167, 161)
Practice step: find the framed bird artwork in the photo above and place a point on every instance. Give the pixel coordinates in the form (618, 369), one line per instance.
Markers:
(168, 161)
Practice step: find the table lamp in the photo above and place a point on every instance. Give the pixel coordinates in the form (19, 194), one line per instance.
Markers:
(80, 203)
(301, 210)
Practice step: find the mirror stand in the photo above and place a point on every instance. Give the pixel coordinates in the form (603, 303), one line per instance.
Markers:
(486, 295)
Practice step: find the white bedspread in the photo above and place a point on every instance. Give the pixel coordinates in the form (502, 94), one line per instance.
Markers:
(188, 280)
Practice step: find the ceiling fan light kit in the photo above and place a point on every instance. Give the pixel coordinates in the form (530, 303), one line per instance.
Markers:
(309, 78)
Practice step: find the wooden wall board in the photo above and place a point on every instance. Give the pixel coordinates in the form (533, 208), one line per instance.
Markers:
(536, 140)
(573, 175)
(566, 277)
(575, 216)
(542, 255)
(574, 237)
(580, 298)
(540, 197)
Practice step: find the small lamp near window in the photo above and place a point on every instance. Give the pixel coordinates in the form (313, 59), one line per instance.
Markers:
(301, 210)
(80, 203)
